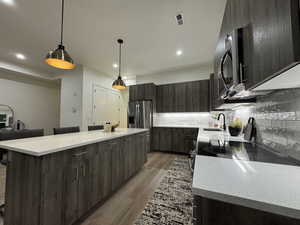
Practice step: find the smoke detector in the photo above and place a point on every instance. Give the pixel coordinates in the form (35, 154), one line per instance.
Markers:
(179, 19)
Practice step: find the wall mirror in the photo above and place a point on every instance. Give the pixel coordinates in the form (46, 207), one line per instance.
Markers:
(6, 116)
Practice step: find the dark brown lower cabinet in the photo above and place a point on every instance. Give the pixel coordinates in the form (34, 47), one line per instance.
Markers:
(117, 149)
(60, 188)
(177, 140)
(211, 212)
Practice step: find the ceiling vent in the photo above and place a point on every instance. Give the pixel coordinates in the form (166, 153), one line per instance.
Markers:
(179, 19)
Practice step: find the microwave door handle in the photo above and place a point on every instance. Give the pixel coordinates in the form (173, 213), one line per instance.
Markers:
(242, 73)
(227, 54)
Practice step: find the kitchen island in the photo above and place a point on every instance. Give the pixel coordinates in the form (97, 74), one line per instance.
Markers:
(58, 180)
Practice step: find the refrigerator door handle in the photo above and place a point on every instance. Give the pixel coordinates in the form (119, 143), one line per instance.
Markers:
(137, 115)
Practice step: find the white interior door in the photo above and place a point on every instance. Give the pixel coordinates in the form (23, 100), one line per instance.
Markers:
(114, 107)
(106, 105)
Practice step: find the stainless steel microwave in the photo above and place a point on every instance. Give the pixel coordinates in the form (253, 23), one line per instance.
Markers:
(232, 65)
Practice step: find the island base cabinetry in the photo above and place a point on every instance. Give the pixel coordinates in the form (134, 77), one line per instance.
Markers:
(61, 188)
(211, 212)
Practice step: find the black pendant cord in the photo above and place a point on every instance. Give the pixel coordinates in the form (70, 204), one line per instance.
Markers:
(62, 21)
(120, 49)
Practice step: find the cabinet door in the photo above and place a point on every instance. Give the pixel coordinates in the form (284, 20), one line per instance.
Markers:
(194, 97)
(179, 103)
(145, 138)
(133, 93)
(204, 96)
(165, 139)
(197, 210)
(95, 173)
(132, 156)
(275, 29)
(155, 139)
(71, 188)
(127, 154)
(167, 98)
(190, 136)
(149, 93)
(52, 206)
(159, 99)
(148, 144)
(85, 179)
(139, 151)
(117, 164)
(106, 169)
(178, 140)
(140, 91)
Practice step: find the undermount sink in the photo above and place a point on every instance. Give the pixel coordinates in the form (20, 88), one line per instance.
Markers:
(212, 129)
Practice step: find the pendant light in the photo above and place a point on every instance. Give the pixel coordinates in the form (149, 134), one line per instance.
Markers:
(119, 83)
(60, 58)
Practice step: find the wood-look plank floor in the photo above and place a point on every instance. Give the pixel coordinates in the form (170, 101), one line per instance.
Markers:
(126, 204)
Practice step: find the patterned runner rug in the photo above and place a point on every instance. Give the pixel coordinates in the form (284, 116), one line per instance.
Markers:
(171, 203)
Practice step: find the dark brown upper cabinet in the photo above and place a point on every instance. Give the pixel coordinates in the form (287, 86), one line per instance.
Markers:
(183, 97)
(275, 44)
(271, 39)
(143, 92)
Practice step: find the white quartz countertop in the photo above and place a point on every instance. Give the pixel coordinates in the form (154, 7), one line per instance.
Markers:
(39, 146)
(176, 126)
(218, 135)
(264, 186)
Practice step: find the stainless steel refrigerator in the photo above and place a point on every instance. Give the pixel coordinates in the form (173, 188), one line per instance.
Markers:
(140, 114)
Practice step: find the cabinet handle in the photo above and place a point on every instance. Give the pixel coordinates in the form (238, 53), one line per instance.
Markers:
(80, 154)
(77, 174)
(83, 170)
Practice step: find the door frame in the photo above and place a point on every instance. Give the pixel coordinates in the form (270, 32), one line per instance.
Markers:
(94, 86)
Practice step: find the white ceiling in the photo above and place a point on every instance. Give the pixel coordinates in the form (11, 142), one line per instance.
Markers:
(92, 27)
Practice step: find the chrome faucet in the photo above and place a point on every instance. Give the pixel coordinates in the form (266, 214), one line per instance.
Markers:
(224, 123)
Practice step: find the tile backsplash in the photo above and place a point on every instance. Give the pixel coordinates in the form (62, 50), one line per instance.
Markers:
(181, 119)
(277, 117)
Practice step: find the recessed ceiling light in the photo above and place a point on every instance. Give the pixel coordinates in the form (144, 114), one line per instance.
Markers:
(8, 2)
(124, 77)
(20, 56)
(179, 52)
(115, 65)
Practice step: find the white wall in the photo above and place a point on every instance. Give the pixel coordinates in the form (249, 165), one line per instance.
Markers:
(71, 97)
(35, 102)
(77, 96)
(90, 78)
(191, 73)
(124, 107)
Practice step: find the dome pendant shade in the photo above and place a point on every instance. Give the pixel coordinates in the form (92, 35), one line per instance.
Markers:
(119, 84)
(60, 58)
